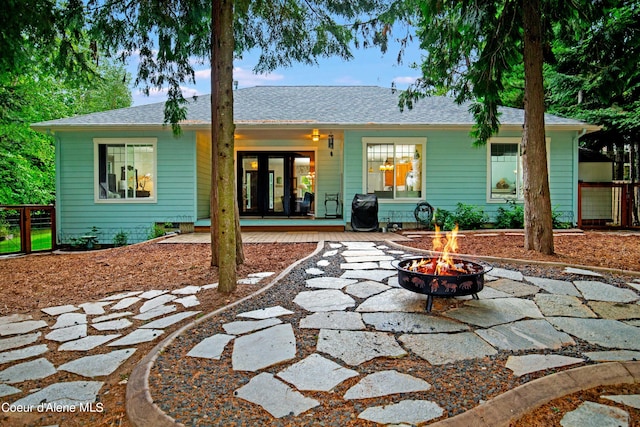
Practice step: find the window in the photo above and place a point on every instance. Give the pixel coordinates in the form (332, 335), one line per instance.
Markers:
(394, 167)
(126, 169)
(505, 177)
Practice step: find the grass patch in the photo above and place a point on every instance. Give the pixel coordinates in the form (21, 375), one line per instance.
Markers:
(40, 241)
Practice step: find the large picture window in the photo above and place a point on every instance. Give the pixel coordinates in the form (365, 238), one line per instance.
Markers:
(504, 176)
(126, 169)
(394, 167)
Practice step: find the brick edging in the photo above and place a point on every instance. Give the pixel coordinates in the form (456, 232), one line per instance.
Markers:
(513, 404)
(140, 408)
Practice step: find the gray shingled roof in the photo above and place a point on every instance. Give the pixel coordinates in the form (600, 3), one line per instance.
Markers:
(286, 105)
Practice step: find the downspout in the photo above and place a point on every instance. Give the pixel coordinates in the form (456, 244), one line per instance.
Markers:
(576, 149)
(57, 201)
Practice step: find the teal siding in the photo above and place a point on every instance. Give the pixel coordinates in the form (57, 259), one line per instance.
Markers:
(456, 172)
(77, 210)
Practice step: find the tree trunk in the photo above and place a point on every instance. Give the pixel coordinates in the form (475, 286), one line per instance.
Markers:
(222, 131)
(538, 223)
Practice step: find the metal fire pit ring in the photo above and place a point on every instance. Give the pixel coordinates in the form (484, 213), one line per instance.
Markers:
(440, 285)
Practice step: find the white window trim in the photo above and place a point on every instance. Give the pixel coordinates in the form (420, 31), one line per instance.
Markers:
(126, 141)
(408, 140)
(509, 140)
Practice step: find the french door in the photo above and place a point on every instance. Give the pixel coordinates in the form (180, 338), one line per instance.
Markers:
(275, 183)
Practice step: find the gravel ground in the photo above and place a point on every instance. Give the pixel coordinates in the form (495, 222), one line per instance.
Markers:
(200, 392)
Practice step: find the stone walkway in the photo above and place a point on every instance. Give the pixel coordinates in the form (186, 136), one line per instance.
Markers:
(108, 324)
(513, 313)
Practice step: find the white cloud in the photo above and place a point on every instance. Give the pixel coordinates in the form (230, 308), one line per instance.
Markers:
(348, 81)
(405, 80)
(160, 95)
(247, 78)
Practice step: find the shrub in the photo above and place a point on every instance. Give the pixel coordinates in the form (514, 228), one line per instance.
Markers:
(469, 217)
(120, 239)
(157, 230)
(443, 219)
(511, 217)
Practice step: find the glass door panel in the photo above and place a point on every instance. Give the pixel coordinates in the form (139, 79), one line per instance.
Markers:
(276, 184)
(279, 184)
(249, 179)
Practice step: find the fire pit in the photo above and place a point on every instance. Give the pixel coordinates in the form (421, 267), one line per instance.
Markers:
(443, 275)
(418, 275)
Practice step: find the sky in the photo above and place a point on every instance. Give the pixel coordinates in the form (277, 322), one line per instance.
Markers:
(368, 67)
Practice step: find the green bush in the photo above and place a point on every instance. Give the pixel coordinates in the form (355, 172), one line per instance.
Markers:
(511, 217)
(443, 219)
(469, 217)
(157, 230)
(121, 239)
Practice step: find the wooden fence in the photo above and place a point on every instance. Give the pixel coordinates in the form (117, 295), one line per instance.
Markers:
(27, 228)
(608, 205)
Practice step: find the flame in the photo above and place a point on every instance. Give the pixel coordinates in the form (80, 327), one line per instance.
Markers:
(445, 263)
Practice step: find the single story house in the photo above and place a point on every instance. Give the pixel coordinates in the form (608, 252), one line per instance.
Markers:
(302, 153)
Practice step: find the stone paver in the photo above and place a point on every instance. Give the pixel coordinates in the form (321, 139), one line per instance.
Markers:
(365, 289)
(157, 302)
(632, 400)
(344, 320)
(23, 353)
(324, 300)
(265, 313)
(514, 288)
(340, 344)
(98, 365)
(416, 323)
(59, 309)
(87, 343)
(112, 325)
(385, 383)
(521, 365)
(562, 305)
(599, 291)
(555, 287)
(612, 355)
(316, 373)
(71, 393)
(394, 300)
(603, 332)
(68, 334)
(487, 313)
(245, 326)
(329, 282)
(406, 412)
(21, 327)
(615, 310)
(439, 349)
(581, 271)
(264, 348)
(165, 322)
(212, 347)
(156, 312)
(525, 335)
(7, 390)
(70, 319)
(19, 341)
(591, 414)
(281, 400)
(33, 370)
(136, 337)
(126, 303)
